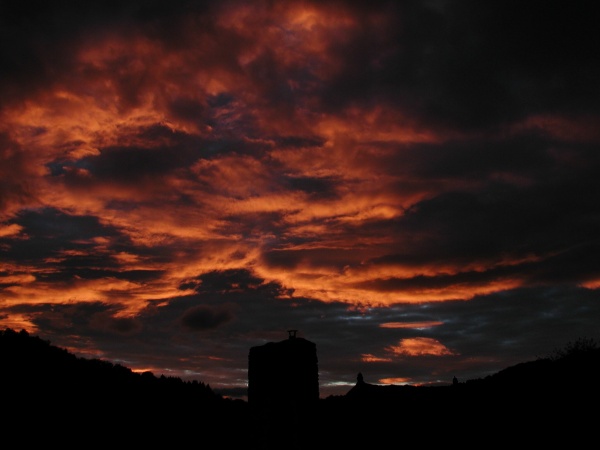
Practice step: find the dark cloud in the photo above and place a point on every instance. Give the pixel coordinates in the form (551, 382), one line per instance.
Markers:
(117, 325)
(203, 317)
(316, 257)
(67, 240)
(15, 187)
(298, 141)
(316, 188)
(546, 216)
(576, 265)
(421, 282)
(188, 108)
(130, 165)
(524, 155)
(227, 280)
(75, 318)
(39, 39)
(472, 64)
(251, 224)
(507, 323)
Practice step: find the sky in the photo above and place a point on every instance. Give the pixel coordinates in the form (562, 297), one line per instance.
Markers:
(414, 186)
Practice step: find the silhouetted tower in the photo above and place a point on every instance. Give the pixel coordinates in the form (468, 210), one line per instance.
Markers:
(283, 374)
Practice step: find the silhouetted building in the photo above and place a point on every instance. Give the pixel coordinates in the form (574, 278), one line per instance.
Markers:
(283, 374)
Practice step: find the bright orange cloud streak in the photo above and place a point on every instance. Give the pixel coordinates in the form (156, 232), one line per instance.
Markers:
(419, 347)
(395, 380)
(373, 358)
(10, 230)
(592, 284)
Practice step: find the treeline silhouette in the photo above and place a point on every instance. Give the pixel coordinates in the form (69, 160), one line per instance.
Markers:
(51, 397)
(546, 402)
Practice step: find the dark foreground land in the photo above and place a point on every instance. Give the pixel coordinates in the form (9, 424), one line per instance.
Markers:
(51, 398)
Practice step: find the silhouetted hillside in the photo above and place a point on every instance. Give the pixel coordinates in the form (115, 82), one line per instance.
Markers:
(49, 370)
(54, 392)
(549, 401)
(56, 398)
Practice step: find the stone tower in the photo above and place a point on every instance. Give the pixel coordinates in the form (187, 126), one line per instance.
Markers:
(283, 374)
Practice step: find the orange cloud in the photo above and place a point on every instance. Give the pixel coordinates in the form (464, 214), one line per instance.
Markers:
(10, 230)
(396, 380)
(591, 284)
(372, 358)
(419, 347)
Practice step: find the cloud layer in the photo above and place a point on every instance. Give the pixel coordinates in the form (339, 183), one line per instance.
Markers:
(412, 185)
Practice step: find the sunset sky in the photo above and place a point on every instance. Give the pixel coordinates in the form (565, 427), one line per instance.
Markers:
(414, 186)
